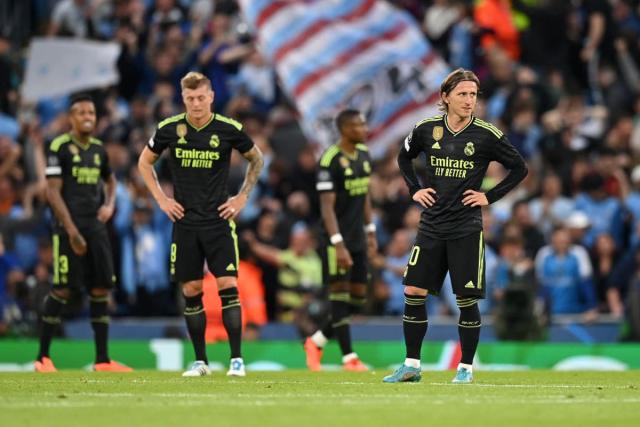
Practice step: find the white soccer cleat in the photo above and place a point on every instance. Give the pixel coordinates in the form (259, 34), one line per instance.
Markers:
(236, 368)
(197, 369)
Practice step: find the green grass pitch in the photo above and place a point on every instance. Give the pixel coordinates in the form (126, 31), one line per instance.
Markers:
(327, 399)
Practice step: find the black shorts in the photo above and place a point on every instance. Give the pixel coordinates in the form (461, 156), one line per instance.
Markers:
(331, 273)
(92, 270)
(217, 244)
(430, 259)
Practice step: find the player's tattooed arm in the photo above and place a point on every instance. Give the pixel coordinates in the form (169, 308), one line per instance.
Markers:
(60, 210)
(232, 207)
(256, 162)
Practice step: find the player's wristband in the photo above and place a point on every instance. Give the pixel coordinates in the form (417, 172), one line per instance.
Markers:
(370, 228)
(336, 238)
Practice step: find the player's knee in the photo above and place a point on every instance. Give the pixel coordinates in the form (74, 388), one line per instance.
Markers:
(193, 288)
(413, 290)
(63, 294)
(227, 283)
(338, 287)
(358, 290)
(99, 292)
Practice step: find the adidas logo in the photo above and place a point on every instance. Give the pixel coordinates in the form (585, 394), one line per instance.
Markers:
(436, 146)
(469, 285)
(231, 267)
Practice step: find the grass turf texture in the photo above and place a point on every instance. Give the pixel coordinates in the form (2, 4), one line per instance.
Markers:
(300, 398)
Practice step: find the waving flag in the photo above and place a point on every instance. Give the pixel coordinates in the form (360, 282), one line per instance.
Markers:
(335, 54)
(59, 66)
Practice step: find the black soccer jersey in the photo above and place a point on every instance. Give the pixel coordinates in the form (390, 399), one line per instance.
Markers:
(82, 168)
(199, 162)
(456, 162)
(348, 177)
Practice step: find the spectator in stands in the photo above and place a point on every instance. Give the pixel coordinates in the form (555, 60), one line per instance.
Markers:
(515, 269)
(596, 49)
(604, 212)
(604, 256)
(8, 78)
(258, 80)
(565, 275)
(533, 238)
(8, 264)
(495, 19)
(299, 270)
(153, 294)
(71, 18)
(551, 208)
(632, 204)
(519, 314)
(9, 155)
(220, 57)
(393, 267)
(577, 224)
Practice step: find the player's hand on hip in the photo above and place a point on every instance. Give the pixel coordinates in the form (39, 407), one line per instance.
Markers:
(105, 213)
(343, 257)
(231, 208)
(78, 244)
(474, 198)
(426, 197)
(173, 209)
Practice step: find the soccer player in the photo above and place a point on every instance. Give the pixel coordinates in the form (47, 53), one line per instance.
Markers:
(77, 170)
(200, 143)
(458, 148)
(343, 184)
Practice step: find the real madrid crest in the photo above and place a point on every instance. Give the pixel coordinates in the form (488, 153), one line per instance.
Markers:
(214, 142)
(344, 162)
(469, 149)
(181, 131)
(76, 153)
(96, 159)
(438, 132)
(366, 166)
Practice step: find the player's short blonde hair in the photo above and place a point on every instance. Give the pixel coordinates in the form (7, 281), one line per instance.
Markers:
(452, 80)
(193, 80)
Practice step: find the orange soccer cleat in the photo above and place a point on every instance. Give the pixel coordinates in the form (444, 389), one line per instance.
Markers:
(314, 355)
(354, 365)
(44, 364)
(111, 366)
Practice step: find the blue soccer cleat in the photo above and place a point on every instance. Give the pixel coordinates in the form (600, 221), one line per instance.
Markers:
(463, 376)
(236, 368)
(404, 374)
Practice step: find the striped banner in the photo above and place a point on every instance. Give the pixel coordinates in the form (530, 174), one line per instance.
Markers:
(364, 54)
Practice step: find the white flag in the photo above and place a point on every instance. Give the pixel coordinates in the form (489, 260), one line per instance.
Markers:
(59, 66)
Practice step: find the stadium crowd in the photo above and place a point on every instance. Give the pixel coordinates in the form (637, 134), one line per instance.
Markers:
(561, 79)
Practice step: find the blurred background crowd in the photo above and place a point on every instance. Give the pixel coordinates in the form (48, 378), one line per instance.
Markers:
(560, 78)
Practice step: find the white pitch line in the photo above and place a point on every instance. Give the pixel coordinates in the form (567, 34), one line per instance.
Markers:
(349, 402)
(578, 386)
(346, 383)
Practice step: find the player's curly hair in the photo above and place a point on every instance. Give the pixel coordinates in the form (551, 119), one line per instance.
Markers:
(193, 80)
(452, 80)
